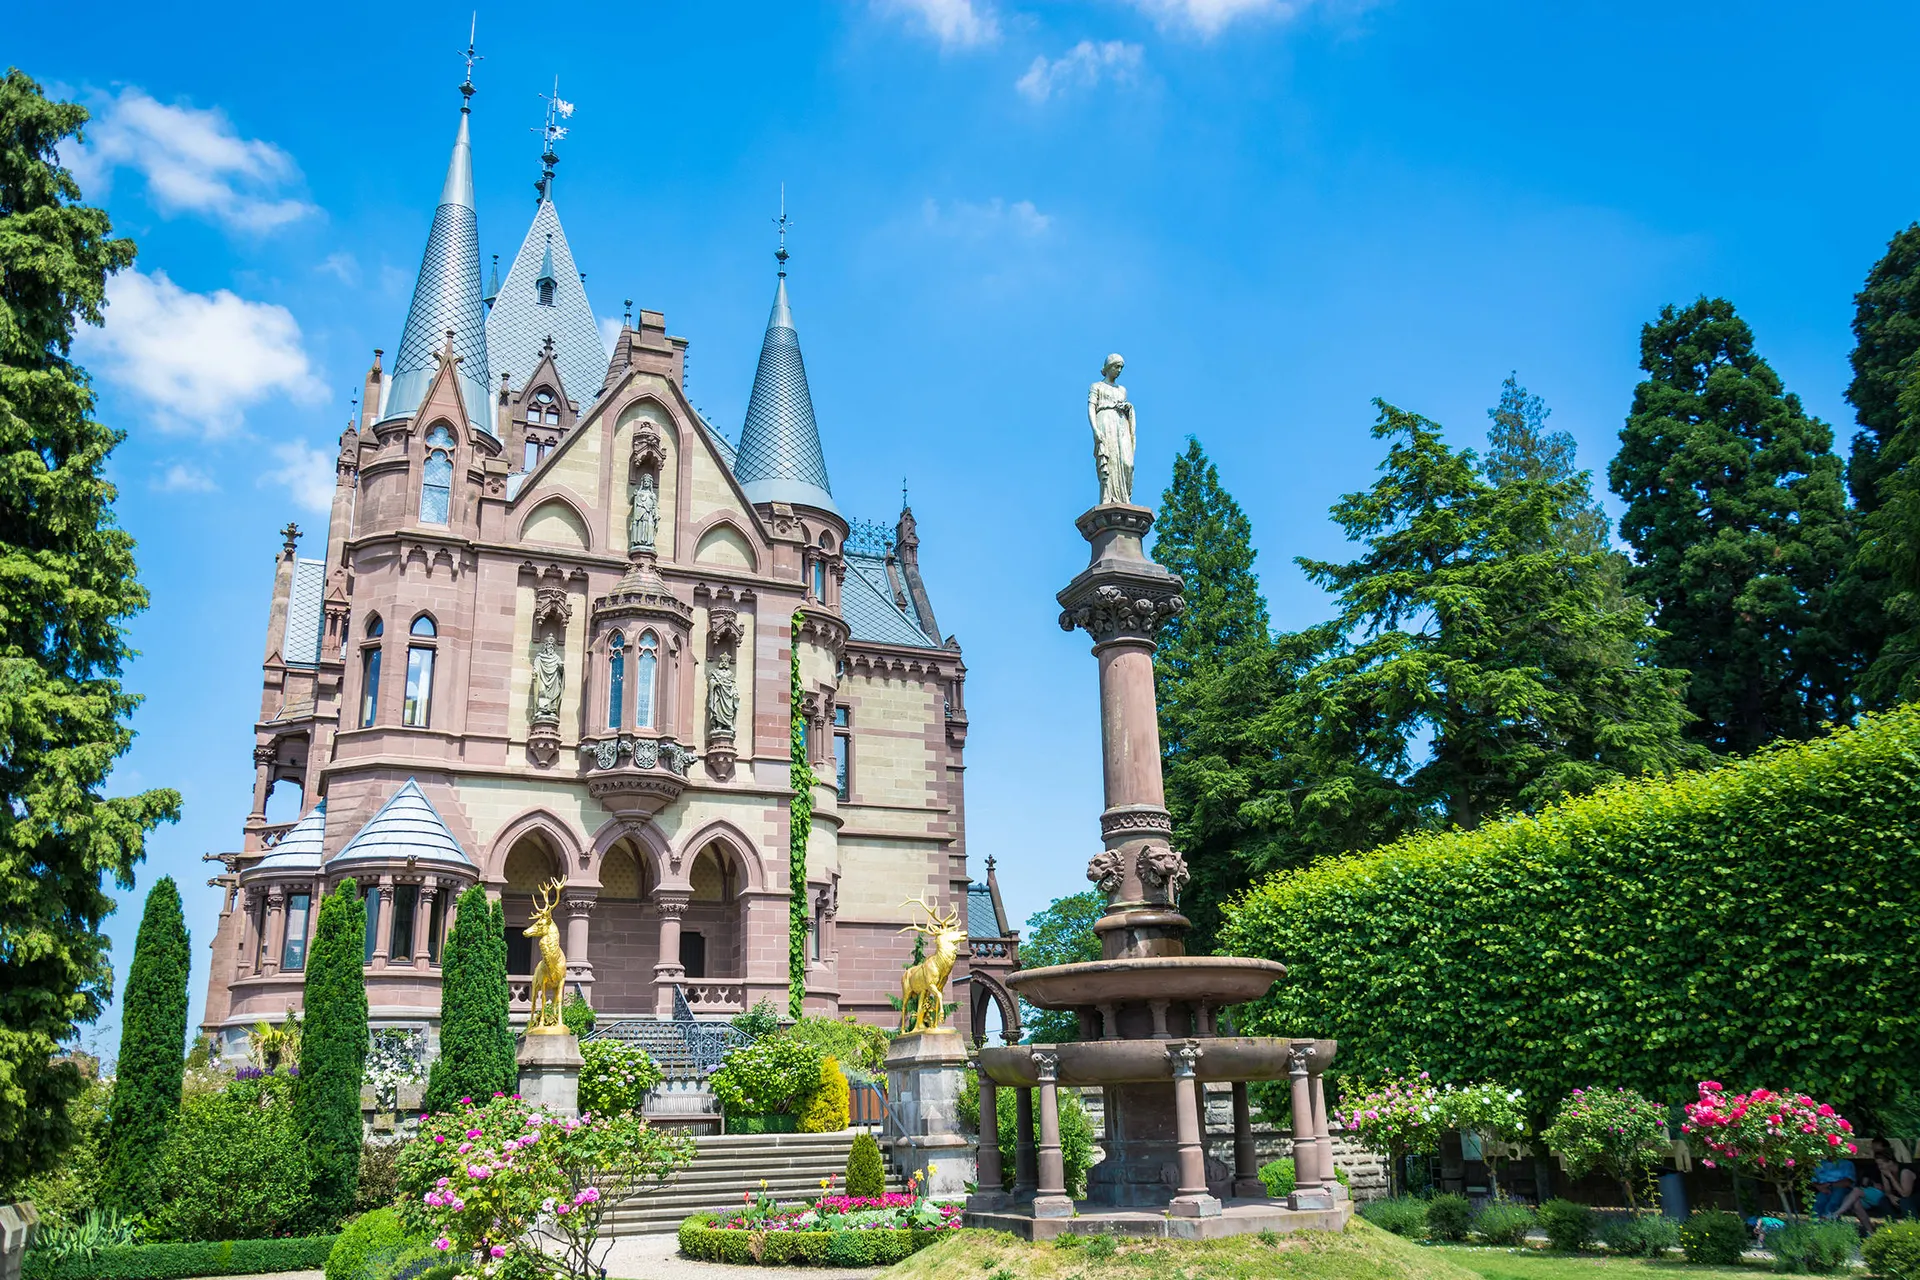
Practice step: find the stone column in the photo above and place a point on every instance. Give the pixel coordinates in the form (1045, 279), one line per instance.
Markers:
(1026, 1173)
(668, 973)
(382, 916)
(423, 921)
(250, 935)
(1246, 1162)
(579, 969)
(991, 1194)
(1050, 1199)
(263, 757)
(276, 930)
(1307, 1191)
(1191, 1198)
(1323, 1139)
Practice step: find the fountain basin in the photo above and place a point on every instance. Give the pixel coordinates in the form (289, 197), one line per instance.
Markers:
(1111, 1062)
(1208, 980)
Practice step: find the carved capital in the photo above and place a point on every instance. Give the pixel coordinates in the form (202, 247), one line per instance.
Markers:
(551, 605)
(1298, 1056)
(671, 906)
(1186, 1057)
(1044, 1065)
(1134, 610)
(1137, 820)
(579, 905)
(266, 754)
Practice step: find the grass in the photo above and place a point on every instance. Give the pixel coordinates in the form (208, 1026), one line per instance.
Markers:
(1362, 1252)
(1527, 1264)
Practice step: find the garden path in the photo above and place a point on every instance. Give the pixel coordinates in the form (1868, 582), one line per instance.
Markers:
(657, 1257)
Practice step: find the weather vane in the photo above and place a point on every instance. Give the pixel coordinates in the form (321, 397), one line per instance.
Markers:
(783, 222)
(551, 131)
(466, 86)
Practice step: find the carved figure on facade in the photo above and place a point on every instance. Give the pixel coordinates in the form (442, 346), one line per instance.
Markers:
(1113, 423)
(723, 628)
(1163, 871)
(644, 522)
(549, 679)
(723, 695)
(550, 974)
(647, 451)
(928, 980)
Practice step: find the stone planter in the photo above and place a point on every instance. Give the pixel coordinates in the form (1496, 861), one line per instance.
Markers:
(19, 1223)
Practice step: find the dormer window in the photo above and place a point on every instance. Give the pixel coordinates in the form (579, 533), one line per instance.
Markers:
(436, 477)
(546, 293)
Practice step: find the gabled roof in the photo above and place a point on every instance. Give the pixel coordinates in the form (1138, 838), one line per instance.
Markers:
(446, 296)
(982, 920)
(518, 326)
(869, 609)
(301, 848)
(305, 614)
(779, 459)
(407, 826)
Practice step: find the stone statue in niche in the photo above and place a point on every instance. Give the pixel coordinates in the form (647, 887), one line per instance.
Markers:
(723, 694)
(549, 675)
(644, 523)
(1113, 430)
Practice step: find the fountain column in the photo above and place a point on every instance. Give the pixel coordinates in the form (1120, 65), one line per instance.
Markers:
(990, 1194)
(1191, 1199)
(1308, 1192)
(1323, 1139)
(1025, 1171)
(1246, 1161)
(1051, 1200)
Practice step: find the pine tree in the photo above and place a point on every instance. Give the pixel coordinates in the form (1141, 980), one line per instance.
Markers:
(333, 1051)
(1888, 558)
(1738, 521)
(476, 1040)
(1519, 447)
(153, 1037)
(67, 589)
(1886, 333)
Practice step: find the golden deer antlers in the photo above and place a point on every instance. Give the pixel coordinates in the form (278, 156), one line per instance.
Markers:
(937, 922)
(547, 898)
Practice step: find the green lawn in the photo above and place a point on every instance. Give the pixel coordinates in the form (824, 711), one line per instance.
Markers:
(1528, 1264)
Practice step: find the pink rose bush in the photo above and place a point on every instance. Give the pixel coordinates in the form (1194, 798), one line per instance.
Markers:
(1397, 1119)
(1616, 1131)
(1773, 1137)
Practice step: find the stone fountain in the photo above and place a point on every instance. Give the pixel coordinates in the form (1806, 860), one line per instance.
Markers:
(1148, 1012)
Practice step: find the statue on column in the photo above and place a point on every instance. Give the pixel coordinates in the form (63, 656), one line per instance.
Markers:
(644, 522)
(723, 694)
(549, 675)
(1113, 429)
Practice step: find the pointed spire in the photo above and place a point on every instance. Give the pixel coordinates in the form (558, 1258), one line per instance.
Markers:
(493, 284)
(779, 458)
(546, 275)
(447, 294)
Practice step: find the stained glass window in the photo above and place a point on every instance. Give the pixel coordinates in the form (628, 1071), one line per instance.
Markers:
(616, 679)
(436, 477)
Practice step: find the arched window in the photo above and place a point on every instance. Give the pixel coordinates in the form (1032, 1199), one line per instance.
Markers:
(616, 679)
(436, 477)
(545, 410)
(370, 674)
(820, 580)
(417, 710)
(645, 668)
(374, 626)
(423, 626)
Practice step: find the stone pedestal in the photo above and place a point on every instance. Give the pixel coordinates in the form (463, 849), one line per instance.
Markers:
(550, 1072)
(925, 1072)
(18, 1224)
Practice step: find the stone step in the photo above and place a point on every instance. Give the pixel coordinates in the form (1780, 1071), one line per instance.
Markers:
(727, 1167)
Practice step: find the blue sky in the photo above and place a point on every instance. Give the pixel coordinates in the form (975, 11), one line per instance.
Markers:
(1276, 210)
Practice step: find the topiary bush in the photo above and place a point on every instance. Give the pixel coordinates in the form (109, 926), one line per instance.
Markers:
(1893, 1252)
(1819, 1248)
(1643, 1235)
(1714, 1236)
(234, 1167)
(376, 1234)
(1449, 1217)
(828, 1109)
(1613, 912)
(866, 1171)
(1569, 1226)
(476, 1040)
(1504, 1222)
(616, 1077)
(1402, 1215)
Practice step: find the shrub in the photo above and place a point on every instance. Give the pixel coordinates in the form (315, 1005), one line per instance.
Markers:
(577, 1015)
(369, 1236)
(1771, 1137)
(828, 1108)
(1402, 1215)
(1714, 1236)
(1642, 1235)
(333, 1051)
(1612, 914)
(1818, 1247)
(873, 1247)
(758, 1022)
(1569, 1226)
(65, 1192)
(1448, 1217)
(861, 1048)
(1076, 1131)
(146, 1087)
(1278, 1177)
(1618, 1132)
(771, 1075)
(1399, 1118)
(95, 1230)
(379, 1177)
(476, 1041)
(1504, 1222)
(183, 1261)
(235, 1166)
(866, 1172)
(616, 1077)
(396, 1056)
(1893, 1252)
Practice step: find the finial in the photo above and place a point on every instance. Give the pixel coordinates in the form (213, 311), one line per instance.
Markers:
(783, 222)
(551, 131)
(466, 86)
(626, 321)
(292, 535)
(903, 493)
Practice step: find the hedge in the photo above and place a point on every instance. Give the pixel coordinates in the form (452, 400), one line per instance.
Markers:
(183, 1261)
(1751, 924)
(873, 1247)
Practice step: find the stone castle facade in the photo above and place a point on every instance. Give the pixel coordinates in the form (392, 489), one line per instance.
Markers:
(552, 638)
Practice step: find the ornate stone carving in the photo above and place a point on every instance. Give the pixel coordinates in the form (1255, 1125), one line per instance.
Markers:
(644, 520)
(721, 758)
(646, 754)
(1113, 423)
(723, 695)
(266, 753)
(1044, 1065)
(579, 905)
(676, 758)
(1163, 871)
(1111, 613)
(1186, 1057)
(606, 753)
(648, 453)
(723, 628)
(549, 680)
(1106, 870)
(551, 607)
(1135, 821)
(669, 906)
(543, 742)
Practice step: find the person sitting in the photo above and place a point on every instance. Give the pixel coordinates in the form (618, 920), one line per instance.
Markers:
(1832, 1181)
(1885, 1190)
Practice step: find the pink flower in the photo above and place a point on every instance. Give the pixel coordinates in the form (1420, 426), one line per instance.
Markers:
(1833, 1139)
(466, 1102)
(443, 1244)
(463, 1148)
(473, 1133)
(439, 1137)
(499, 1250)
(479, 1172)
(1825, 1109)
(588, 1196)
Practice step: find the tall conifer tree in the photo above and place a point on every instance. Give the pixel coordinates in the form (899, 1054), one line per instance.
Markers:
(1519, 447)
(476, 1039)
(1738, 520)
(1886, 335)
(1887, 557)
(333, 1050)
(153, 1037)
(67, 590)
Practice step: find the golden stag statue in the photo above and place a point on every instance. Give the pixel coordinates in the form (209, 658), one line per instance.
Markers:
(928, 979)
(550, 975)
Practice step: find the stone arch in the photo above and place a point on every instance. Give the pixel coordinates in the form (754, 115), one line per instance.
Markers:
(563, 842)
(649, 848)
(734, 841)
(558, 520)
(720, 541)
(985, 992)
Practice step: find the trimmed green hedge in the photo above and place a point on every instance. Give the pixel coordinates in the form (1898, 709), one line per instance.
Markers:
(1751, 924)
(183, 1261)
(878, 1247)
(763, 1122)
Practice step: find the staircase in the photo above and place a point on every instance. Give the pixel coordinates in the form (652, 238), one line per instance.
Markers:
(725, 1168)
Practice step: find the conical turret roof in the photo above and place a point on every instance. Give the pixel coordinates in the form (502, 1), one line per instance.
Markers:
(447, 296)
(407, 826)
(519, 326)
(301, 847)
(779, 458)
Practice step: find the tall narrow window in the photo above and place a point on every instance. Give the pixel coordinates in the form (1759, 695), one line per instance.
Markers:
(436, 477)
(436, 925)
(843, 765)
(371, 896)
(417, 712)
(406, 897)
(370, 674)
(820, 580)
(645, 669)
(293, 956)
(616, 679)
(531, 458)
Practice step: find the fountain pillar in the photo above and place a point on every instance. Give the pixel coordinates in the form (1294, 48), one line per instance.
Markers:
(1025, 1171)
(990, 1195)
(1246, 1161)
(1323, 1138)
(1308, 1191)
(1051, 1200)
(1191, 1198)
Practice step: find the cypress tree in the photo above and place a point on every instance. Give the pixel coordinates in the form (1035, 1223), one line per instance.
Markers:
(1738, 520)
(67, 590)
(153, 1036)
(333, 1051)
(476, 1040)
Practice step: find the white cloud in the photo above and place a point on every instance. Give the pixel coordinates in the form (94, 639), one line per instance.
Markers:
(983, 220)
(957, 24)
(184, 477)
(200, 359)
(308, 474)
(1083, 67)
(342, 266)
(194, 162)
(1208, 18)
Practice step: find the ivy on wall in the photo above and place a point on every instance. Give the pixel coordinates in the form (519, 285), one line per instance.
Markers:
(800, 827)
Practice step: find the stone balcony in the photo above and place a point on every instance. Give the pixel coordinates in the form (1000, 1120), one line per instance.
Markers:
(635, 776)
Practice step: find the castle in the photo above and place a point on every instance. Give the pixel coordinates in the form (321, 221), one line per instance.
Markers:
(559, 632)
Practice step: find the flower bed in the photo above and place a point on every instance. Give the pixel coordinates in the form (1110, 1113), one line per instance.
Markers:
(833, 1231)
